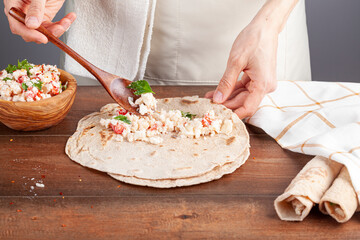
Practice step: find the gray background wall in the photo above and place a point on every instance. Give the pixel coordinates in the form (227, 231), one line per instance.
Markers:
(334, 37)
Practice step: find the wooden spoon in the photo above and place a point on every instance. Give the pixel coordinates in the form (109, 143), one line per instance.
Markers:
(114, 85)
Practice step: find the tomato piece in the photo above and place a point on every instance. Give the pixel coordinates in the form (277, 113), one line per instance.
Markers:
(20, 79)
(55, 90)
(153, 127)
(122, 111)
(30, 94)
(118, 128)
(206, 121)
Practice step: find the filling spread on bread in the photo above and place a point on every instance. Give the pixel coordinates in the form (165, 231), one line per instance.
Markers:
(152, 124)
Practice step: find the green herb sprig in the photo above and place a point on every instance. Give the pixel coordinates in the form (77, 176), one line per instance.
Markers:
(38, 85)
(63, 87)
(11, 68)
(24, 86)
(123, 118)
(140, 87)
(24, 64)
(6, 79)
(188, 115)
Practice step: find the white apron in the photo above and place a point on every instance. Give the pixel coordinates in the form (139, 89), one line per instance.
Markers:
(184, 42)
(191, 41)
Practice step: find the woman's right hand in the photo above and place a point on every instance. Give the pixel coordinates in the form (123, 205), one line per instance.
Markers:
(38, 12)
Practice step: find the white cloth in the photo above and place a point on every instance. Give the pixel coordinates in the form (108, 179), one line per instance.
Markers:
(315, 118)
(190, 44)
(113, 35)
(192, 39)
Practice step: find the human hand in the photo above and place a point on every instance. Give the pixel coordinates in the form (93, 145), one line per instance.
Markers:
(38, 12)
(254, 53)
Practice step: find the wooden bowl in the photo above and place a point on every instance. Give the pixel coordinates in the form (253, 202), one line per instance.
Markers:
(38, 115)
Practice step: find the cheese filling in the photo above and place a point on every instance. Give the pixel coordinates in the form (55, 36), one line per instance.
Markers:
(39, 82)
(150, 127)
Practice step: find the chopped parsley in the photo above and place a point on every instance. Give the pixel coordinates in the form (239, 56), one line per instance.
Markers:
(63, 87)
(188, 115)
(6, 79)
(140, 87)
(24, 86)
(123, 118)
(11, 68)
(24, 64)
(38, 85)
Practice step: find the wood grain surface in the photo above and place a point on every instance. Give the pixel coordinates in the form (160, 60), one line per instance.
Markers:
(80, 203)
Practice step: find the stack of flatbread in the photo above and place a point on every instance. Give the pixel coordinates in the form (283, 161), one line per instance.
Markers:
(173, 163)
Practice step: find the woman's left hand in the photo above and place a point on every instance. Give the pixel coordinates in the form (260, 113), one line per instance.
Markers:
(254, 53)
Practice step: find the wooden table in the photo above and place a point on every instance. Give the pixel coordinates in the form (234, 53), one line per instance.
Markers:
(81, 203)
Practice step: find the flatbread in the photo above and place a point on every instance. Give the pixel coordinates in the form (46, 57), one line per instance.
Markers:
(216, 173)
(306, 189)
(176, 158)
(340, 200)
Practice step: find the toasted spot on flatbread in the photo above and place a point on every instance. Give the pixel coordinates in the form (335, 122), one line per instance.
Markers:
(230, 140)
(105, 136)
(81, 150)
(196, 143)
(227, 156)
(308, 174)
(173, 150)
(153, 153)
(87, 129)
(133, 159)
(186, 101)
(205, 149)
(161, 145)
(166, 100)
(195, 154)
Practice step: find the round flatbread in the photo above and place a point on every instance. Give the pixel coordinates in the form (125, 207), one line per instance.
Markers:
(216, 173)
(96, 147)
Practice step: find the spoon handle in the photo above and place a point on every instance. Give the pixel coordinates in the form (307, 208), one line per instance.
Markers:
(97, 72)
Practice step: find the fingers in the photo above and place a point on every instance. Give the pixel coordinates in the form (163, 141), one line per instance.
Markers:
(209, 94)
(235, 93)
(58, 28)
(29, 35)
(237, 101)
(227, 82)
(35, 14)
(251, 102)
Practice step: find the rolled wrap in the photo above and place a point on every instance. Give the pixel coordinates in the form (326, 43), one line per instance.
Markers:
(340, 200)
(306, 189)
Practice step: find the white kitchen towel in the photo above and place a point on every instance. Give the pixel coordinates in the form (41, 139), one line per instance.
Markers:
(114, 35)
(315, 118)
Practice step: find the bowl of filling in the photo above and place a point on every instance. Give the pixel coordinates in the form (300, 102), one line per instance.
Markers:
(35, 97)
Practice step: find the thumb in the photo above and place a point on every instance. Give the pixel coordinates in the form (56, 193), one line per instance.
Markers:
(35, 13)
(227, 82)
